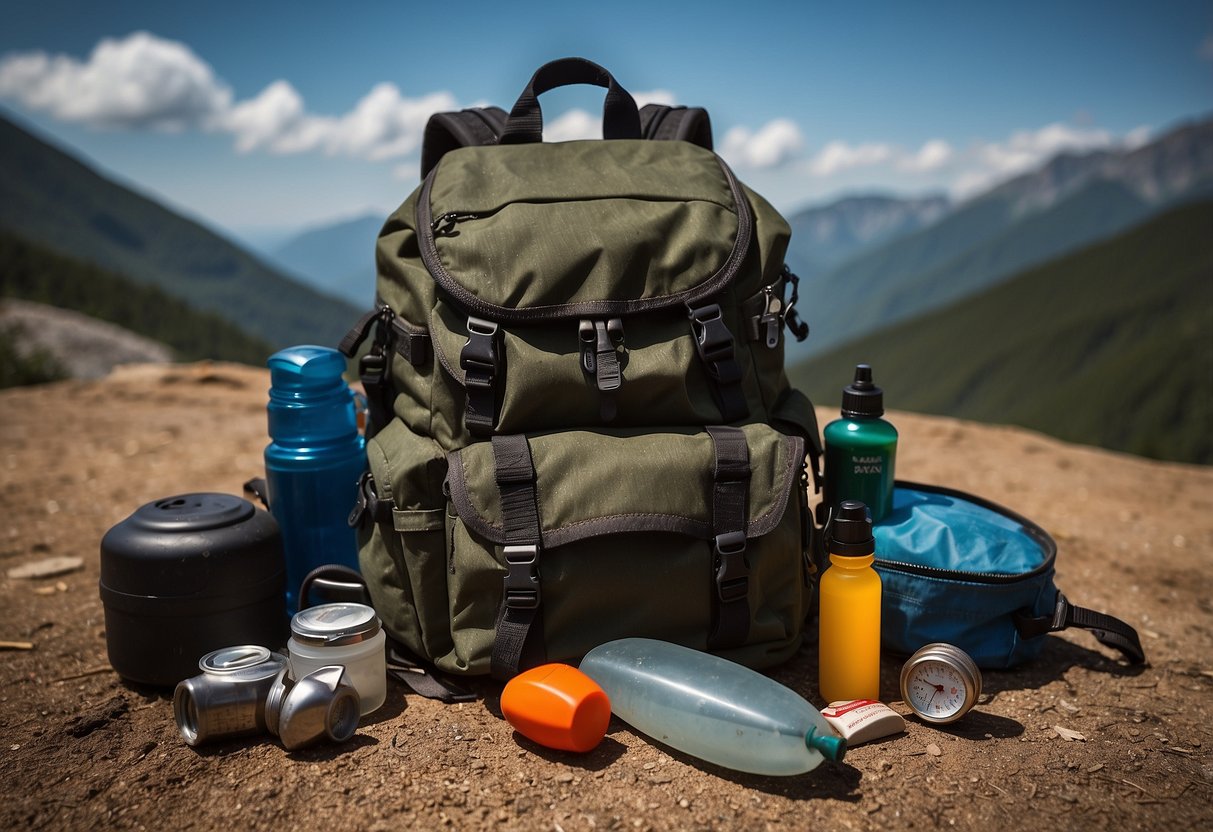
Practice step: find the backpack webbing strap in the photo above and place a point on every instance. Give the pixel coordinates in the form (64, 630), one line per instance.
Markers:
(422, 677)
(444, 132)
(519, 640)
(1109, 630)
(730, 497)
(714, 343)
(688, 124)
(620, 118)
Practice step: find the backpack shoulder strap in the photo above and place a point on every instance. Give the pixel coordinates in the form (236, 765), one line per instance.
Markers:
(665, 123)
(445, 132)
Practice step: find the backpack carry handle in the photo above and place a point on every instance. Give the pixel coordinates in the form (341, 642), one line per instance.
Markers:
(620, 116)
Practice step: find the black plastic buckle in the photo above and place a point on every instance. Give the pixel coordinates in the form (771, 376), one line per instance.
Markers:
(714, 343)
(732, 570)
(600, 341)
(522, 577)
(372, 367)
(478, 357)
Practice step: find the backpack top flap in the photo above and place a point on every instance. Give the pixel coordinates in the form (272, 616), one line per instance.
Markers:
(533, 232)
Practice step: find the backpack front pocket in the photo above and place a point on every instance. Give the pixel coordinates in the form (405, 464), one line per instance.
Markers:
(402, 549)
(685, 535)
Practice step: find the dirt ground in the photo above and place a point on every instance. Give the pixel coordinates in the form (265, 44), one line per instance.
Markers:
(83, 749)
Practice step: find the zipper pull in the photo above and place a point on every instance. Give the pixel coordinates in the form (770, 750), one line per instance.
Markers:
(444, 224)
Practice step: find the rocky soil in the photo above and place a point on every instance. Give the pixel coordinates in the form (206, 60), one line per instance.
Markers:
(83, 749)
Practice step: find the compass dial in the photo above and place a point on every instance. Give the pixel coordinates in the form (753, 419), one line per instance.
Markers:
(940, 683)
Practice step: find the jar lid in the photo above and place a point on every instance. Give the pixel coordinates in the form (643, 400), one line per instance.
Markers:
(245, 661)
(335, 625)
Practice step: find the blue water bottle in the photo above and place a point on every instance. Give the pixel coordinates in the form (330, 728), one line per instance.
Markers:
(313, 464)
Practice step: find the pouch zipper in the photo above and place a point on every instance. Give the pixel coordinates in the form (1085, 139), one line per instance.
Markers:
(969, 577)
(428, 226)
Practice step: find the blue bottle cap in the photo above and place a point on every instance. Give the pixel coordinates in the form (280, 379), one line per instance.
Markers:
(305, 366)
(309, 400)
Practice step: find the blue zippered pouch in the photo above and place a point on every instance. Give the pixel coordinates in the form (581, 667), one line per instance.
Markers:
(959, 569)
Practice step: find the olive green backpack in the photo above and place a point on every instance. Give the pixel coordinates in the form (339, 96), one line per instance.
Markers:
(580, 426)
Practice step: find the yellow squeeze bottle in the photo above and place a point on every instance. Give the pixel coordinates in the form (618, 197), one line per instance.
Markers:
(849, 639)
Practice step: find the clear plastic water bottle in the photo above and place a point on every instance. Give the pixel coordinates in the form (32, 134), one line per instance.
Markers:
(313, 464)
(711, 708)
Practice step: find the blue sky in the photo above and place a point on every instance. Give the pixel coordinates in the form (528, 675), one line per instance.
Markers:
(262, 117)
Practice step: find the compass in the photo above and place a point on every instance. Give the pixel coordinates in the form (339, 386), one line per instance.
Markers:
(940, 683)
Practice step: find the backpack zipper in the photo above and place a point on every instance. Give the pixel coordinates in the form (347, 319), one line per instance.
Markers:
(429, 227)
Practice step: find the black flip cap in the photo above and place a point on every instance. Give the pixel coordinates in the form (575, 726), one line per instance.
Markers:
(861, 397)
(851, 531)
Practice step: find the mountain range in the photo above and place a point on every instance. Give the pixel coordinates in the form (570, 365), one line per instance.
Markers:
(337, 258)
(1109, 345)
(827, 235)
(1072, 200)
(54, 200)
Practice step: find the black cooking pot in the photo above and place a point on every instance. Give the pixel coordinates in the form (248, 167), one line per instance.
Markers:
(186, 575)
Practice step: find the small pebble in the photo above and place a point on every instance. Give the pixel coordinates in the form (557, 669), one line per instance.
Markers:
(933, 750)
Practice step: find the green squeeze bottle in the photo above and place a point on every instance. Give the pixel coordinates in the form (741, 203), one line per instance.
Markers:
(861, 449)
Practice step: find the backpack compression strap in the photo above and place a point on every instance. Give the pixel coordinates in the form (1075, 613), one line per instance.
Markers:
(1109, 630)
(730, 503)
(519, 641)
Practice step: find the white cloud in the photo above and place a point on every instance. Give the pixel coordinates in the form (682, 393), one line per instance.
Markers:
(986, 163)
(773, 144)
(933, 155)
(1026, 149)
(838, 156)
(266, 120)
(142, 81)
(571, 126)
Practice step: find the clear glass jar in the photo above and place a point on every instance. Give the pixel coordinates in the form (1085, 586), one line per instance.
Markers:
(346, 634)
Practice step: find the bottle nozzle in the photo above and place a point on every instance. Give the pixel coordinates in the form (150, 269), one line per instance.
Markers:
(827, 745)
(862, 398)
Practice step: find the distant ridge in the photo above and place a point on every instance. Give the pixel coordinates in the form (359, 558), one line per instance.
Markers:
(1071, 201)
(827, 235)
(337, 258)
(33, 273)
(59, 202)
(1109, 346)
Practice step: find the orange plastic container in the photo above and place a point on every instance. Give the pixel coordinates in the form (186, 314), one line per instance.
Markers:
(558, 706)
